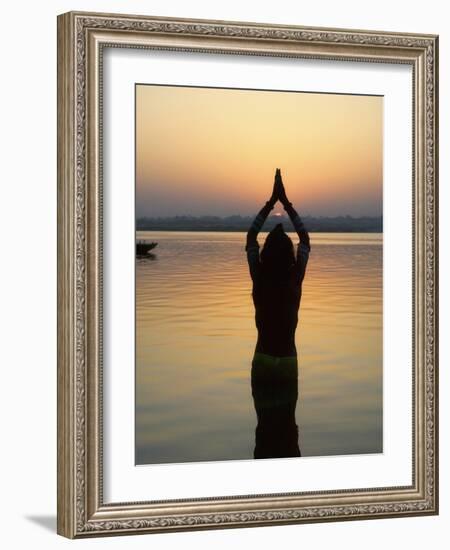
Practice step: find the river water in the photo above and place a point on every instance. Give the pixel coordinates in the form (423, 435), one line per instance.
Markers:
(195, 338)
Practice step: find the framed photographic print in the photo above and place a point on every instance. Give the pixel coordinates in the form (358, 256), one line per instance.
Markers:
(247, 274)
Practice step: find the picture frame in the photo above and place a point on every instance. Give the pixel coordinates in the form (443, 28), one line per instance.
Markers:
(82, 41)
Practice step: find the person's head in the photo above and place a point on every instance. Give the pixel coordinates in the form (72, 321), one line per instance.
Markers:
(277, 255)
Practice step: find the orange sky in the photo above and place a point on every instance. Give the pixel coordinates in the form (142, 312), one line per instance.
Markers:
(203, 151)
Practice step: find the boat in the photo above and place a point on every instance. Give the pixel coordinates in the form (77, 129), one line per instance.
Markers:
(143, 247)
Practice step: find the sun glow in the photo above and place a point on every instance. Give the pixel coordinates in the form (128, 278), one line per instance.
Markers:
(212, 151)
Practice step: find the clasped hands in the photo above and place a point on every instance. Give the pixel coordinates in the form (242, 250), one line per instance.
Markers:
(278, 192)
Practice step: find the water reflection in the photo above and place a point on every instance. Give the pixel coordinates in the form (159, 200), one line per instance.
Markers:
(275, 392)
(195, 336)
(150, 256)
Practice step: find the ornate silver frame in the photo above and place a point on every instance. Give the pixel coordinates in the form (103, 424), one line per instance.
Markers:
(81, 38)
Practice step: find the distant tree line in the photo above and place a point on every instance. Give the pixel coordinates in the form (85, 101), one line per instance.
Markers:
(338, 224)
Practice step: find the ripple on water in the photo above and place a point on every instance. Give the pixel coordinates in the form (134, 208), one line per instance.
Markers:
(195, 338)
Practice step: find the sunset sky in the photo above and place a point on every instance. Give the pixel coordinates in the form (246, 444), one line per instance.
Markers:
(209, 151)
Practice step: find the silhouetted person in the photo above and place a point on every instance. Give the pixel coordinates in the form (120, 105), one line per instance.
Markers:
(277, 274)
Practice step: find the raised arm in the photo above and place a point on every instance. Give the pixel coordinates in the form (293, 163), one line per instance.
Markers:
(304, 246)
(293, 216)
(252, 246)
(258, 222)
(298, 224)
